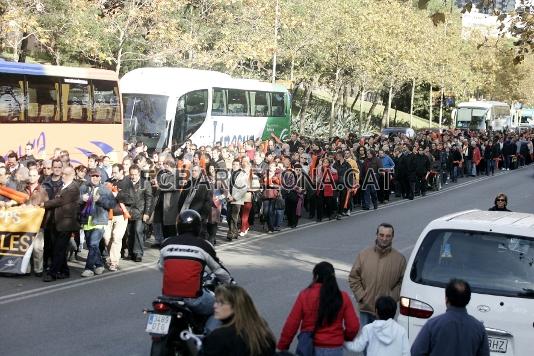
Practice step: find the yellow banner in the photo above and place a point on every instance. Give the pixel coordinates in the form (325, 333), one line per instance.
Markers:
(18, 227)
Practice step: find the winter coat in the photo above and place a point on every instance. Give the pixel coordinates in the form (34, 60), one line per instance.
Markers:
(142, 200)
(225, 341)
(382, 337)
(125, 194)
(326, 182)
(100, 208)
(420, 165)
(376, 273)
(201, 199)
(453, 333)
(304, 314)
(66, 213)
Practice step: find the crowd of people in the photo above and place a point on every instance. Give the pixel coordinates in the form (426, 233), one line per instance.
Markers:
(115, 207)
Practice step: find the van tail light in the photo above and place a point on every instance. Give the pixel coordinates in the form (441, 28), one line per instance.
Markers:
(160, 307)
(415, 308)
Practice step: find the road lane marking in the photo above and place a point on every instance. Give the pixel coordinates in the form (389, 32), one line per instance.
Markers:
(15, 297)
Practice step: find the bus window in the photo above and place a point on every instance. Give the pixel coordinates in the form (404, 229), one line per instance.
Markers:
(145, 118)
(277, 104)
(43, 99)
(12, 98)
(196, 107)
(75, 100)
(106, 102)
(237, 103)
(260, 103)
(218, 104)
(191, 111)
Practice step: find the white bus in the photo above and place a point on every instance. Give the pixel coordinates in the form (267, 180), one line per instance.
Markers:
(483, 115)
(164, 107)
(525, 118)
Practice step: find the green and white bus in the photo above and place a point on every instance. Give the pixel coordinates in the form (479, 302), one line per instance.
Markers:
(164, 107)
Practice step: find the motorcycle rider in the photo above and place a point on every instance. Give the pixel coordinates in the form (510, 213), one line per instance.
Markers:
(183, 259)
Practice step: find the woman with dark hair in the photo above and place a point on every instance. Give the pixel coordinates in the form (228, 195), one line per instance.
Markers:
(243, 331)
(501, 202)
(325, 312)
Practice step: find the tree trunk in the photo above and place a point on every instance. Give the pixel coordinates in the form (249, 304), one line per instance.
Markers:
(430, 109)
(360, 120)
(308, 89)
(442, 94)
(335, 95)
(390, 98)
(295, 89)
(411, 102)
(23, 48)
(370, 113)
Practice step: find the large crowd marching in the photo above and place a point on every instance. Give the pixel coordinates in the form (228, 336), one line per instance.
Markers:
(116, 207)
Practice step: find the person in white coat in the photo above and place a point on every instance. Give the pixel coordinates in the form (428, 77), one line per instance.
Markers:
(238, 187)
(384, 336)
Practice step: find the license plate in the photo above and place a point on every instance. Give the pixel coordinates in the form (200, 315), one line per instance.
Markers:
(158, 324)
(497, 345)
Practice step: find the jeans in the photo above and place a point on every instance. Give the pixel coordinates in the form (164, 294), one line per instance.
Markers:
(269, 213)
(92, 238)
(232, 217)
(369, 194)
(203, 305)
(278, 218)
(136, 238)
(157, 230)
(328, 351)
(468, 165)
(490, 166)
(366, 318)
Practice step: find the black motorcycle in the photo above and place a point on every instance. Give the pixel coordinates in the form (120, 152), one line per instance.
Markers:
(173, 327)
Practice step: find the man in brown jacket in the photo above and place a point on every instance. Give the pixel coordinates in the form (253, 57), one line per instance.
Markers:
(378, 271)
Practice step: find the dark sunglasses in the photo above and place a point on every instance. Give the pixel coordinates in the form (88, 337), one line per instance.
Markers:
(501, 199)
(95, 175)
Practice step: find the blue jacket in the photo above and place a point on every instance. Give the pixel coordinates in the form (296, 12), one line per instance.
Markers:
(387, 162)
(453, 333)
(101, 207)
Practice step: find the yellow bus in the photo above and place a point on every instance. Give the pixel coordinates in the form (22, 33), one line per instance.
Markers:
(74, 109)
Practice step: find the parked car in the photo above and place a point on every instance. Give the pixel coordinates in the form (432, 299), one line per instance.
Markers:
(494, 252)
(409, 132)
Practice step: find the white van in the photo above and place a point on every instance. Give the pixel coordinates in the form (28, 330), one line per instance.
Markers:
(494, 252)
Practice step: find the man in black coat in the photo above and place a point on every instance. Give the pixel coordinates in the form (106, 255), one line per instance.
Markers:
(140, 211)
(66, 221)
(198, 197)
(345, 181)
(404, 172)
(455, 161)
(420, 166)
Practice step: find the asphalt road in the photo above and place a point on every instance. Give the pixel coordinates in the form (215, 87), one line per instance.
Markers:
(103, 315)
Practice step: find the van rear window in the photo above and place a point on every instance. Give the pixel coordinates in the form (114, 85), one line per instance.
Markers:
(492, 263)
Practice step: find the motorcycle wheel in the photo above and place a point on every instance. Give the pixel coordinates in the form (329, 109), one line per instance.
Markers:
(160, 348)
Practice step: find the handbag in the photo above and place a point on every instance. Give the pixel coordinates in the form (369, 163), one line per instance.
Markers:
(305, 345)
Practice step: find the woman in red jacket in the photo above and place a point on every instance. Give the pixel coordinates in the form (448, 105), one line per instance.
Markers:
(323, 310)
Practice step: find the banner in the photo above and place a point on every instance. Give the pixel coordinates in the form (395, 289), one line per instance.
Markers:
(18, 227)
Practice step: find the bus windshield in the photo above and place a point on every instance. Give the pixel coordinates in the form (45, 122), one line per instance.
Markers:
(472, 118)
(144, 119)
